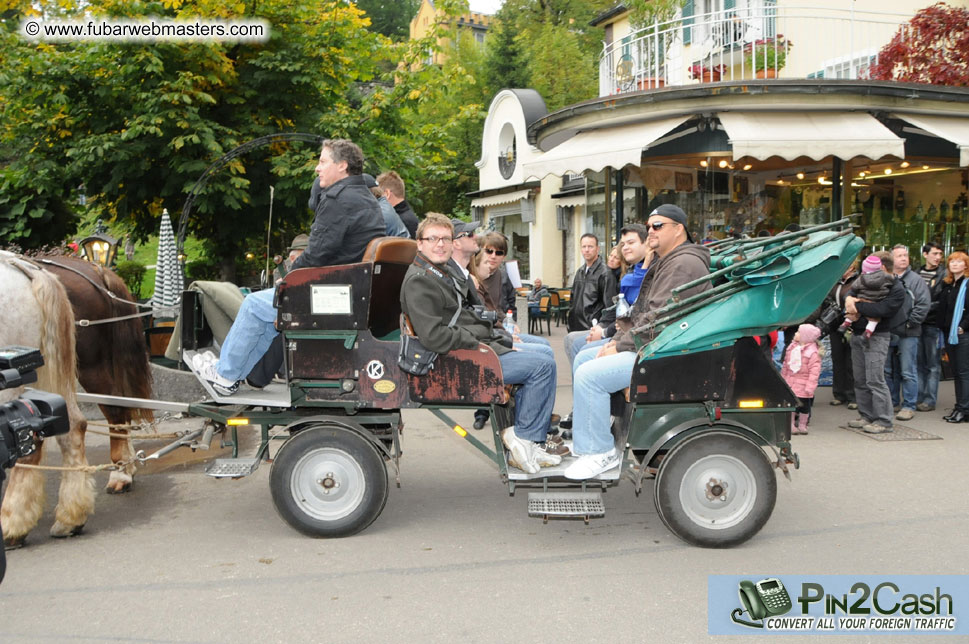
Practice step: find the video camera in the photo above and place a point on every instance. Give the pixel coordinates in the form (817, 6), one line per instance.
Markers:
(29, 419)
(484, 314)
(32, 417)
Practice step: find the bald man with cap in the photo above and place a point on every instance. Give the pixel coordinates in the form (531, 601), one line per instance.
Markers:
(676, 261)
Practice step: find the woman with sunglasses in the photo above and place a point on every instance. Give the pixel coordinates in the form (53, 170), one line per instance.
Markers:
(953, 318)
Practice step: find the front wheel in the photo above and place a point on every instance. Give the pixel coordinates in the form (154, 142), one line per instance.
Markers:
(715, 491)
(328, 482)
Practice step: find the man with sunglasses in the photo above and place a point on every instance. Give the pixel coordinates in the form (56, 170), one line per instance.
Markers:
(495, 247)
(676, 261)
(432, 300)
(593, 287)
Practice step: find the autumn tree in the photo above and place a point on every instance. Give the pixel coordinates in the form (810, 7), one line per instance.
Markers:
(933, 47)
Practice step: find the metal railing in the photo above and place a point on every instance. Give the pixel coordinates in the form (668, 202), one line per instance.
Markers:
(753, 41)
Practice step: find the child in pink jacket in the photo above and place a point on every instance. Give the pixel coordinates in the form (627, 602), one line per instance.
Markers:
(802, 366)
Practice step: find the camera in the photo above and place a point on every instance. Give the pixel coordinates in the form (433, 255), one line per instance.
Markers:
(28, 419)
(484, 314)
(830, 317)
(32, 417)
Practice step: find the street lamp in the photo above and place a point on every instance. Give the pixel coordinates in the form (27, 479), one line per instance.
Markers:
(99, 248)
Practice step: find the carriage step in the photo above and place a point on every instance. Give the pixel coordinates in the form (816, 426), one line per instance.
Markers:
(565, 504)
(232, 467)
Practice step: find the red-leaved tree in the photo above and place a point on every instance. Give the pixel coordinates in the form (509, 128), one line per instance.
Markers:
(933, 47)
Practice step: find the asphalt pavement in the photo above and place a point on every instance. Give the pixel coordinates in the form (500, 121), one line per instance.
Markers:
(454, 558)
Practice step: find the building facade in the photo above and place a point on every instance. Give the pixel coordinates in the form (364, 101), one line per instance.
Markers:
(476, 20)
(750, 115)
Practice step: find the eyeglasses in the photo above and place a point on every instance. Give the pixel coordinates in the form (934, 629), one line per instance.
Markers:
(434, 240)
(495, 251)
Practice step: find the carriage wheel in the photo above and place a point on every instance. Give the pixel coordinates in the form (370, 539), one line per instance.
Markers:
(328, 482)
(715, 491)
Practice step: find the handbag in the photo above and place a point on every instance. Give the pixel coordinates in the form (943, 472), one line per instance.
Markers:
(413, 357)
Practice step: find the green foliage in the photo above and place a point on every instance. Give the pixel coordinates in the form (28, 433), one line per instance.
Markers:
(390, 17)
(132, 273)
(646, 12)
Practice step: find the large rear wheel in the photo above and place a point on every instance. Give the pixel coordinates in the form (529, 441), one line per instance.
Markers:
(328, 482)
(715, 490)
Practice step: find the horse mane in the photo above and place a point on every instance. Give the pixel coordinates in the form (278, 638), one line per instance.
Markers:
(57, 337)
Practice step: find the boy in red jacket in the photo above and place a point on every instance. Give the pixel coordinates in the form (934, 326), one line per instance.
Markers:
(802, 366)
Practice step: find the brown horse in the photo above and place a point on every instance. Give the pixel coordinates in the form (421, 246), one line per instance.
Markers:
(112, 356)
(35, 312)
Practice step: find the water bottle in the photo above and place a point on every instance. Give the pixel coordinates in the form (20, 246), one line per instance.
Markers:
(509, 321)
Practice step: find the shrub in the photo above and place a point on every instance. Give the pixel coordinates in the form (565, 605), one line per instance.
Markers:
(133, 274)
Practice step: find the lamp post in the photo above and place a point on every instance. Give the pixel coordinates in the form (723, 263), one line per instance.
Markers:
(99, 248)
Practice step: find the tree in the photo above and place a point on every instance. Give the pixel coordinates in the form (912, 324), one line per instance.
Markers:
(933, 47)
(137, 123)
(390, 17)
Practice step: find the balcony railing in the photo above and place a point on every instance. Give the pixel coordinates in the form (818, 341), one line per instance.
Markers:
(748, 42)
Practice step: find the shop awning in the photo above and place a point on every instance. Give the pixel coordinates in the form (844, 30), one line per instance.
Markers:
(596, 149)
(950, 128)
(814, 135)
(496, 200)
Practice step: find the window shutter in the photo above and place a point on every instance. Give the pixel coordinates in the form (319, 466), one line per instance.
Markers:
(687, 15)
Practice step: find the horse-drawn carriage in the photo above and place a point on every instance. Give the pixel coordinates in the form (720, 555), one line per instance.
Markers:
(703, 410)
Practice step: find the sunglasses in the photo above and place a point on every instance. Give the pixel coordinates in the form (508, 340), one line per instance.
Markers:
(460, 235)
(494, 251)
(656, 225)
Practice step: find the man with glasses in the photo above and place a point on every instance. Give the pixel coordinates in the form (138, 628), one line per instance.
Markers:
(347, 218)
(593, 287)
(676, 261)
(430, 298)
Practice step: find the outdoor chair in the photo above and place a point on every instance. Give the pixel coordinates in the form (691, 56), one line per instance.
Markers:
(544, 313)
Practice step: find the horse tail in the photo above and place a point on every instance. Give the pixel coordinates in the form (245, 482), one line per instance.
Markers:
(59, 373)
(131, 371)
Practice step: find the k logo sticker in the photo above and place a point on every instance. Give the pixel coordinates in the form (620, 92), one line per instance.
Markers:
(375, 369)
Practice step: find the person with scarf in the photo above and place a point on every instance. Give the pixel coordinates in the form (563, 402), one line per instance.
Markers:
(801, 369)
(953, 320)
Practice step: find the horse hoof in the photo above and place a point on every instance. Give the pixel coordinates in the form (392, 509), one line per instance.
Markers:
(118, 483)
(13, 543)
(62, 531)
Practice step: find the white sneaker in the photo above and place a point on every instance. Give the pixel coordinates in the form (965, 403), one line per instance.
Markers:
(590, 465)
(542, 457)
(521, 452)
(205, 366)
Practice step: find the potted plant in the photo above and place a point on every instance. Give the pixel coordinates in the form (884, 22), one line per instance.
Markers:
(706, 74)
(767, 56)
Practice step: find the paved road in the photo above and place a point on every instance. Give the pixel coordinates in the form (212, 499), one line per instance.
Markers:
(185, 558)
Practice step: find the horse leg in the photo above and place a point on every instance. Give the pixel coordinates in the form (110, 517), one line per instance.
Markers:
(75, 499)
(121, 452)
(23, 502)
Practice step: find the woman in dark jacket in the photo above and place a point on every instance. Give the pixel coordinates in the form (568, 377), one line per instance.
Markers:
(953, 319)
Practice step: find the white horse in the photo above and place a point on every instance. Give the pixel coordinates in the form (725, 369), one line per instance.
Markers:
(35, 312)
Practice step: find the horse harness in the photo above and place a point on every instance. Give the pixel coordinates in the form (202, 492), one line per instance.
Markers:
(25, 264)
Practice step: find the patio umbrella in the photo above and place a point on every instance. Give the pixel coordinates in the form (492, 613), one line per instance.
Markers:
(168, 273)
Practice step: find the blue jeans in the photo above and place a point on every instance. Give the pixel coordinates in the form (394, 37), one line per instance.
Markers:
(902, 370)
(250, 335)
(930, 365)
(534, 400)
(527, 338)
(594, 382)
(588, 352)
(573, 343)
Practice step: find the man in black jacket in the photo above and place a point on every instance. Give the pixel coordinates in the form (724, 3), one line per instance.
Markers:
(347, 219)
(431, 298)
(868, 355)
(593, 287)
(393, 187)
(930, 364)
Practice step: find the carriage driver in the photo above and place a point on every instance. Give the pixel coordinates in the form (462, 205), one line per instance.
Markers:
(676, 261)
(430, 298)
(347, 219)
